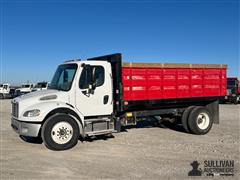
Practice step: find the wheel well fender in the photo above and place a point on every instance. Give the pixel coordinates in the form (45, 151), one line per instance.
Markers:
(68, 111)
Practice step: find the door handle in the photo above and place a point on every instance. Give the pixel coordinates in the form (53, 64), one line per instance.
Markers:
(105, 99)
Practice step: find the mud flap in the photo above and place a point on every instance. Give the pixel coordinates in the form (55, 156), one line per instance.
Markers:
(213, 107)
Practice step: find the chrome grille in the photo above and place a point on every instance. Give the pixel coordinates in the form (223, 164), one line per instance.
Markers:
(15, 110)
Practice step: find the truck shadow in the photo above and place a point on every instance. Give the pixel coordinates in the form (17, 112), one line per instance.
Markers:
(140, 124)
(98, 137)
(33, 140)
(38, 140)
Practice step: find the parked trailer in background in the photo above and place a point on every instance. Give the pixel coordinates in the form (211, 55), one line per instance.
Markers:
(102, 94)
(233, 90)
(239, 90)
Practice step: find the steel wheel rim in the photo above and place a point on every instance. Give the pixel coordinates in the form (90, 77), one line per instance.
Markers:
(203, 121)
(62, 132)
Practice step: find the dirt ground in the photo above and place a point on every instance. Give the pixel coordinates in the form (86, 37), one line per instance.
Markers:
(143, 152)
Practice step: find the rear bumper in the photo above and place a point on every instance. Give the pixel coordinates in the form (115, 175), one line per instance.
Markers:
(24, 128)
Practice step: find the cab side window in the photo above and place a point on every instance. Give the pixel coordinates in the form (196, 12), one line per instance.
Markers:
(85, 79)
(99, 75)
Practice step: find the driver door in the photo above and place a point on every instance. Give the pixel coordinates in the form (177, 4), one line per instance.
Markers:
(95, 98)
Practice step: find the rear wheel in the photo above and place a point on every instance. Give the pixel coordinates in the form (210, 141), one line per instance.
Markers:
(200, 120)
(60, 132)
(185, 116)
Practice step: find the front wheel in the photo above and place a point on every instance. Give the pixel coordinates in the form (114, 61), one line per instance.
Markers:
(200, 120)
(60, 132)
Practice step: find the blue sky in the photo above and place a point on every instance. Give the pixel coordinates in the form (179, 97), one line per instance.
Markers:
(36, 36)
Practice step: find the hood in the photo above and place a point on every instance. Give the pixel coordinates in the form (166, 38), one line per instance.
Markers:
(36, 97)
(40, 97)
(36, 89)
(23, 89)
(40, 94)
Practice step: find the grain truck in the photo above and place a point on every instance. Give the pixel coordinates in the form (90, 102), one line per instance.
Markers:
(102, 94)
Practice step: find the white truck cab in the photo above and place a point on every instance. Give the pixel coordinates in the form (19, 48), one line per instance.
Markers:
(77, 102)
(40, 86)
(4, 90)
(25, 88)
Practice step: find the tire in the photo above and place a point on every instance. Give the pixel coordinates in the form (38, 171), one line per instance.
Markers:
(200, 121)
(184, 118)
(60, 132)
(1, 96)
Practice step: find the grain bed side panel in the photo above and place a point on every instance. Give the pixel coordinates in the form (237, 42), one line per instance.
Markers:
(161, 83)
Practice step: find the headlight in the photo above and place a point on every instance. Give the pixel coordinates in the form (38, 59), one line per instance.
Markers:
(32, 113)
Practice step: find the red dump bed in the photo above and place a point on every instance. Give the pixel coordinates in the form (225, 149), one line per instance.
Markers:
(144, 81)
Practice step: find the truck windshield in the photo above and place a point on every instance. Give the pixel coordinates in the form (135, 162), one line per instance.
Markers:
(25, 86)
(63, 77)
(1, 85)
(41, 85)
(231, 83)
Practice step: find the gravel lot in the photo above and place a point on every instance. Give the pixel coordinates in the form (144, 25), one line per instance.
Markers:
(145, 152)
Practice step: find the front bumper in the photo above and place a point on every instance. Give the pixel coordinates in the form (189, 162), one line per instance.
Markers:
(25, 128)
